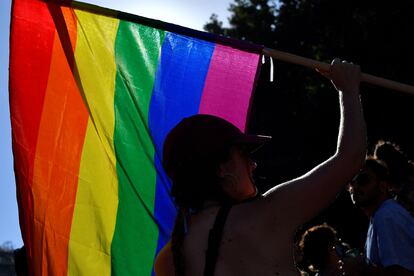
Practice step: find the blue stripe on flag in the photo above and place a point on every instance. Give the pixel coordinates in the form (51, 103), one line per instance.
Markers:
(179, 83)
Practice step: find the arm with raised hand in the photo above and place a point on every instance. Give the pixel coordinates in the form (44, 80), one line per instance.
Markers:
(304, 197)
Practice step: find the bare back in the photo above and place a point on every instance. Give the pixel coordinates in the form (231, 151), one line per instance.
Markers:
(248, 245)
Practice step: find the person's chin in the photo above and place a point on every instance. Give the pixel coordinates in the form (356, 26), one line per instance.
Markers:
(250, 194)
(361, 203)
(356, 200)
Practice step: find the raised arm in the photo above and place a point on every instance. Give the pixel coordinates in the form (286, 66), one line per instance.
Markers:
(304, 197)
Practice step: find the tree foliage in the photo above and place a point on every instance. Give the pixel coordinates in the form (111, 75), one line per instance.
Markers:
(300, 103)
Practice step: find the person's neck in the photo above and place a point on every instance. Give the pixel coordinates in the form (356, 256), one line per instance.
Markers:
(372, 208)
(248, 197)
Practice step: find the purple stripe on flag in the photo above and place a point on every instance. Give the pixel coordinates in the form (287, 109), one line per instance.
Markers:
(229, 84)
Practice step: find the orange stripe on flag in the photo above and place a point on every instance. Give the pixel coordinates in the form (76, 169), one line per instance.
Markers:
(57, 159)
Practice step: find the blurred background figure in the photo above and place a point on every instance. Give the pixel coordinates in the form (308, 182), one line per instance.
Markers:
(389, 246)
(401, 172)
(20, 261)
(323, 253)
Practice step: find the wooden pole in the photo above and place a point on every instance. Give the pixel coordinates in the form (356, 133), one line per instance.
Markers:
(307, 62)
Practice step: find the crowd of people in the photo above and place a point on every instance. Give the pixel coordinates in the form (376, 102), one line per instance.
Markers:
(383, 190)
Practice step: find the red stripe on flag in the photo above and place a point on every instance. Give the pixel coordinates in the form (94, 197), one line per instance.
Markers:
(31, 41)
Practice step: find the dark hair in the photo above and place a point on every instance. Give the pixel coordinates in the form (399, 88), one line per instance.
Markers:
(378, 167)
(315, 245)
(399, 165)
(199, 181)
(401, 171)
(191, 188)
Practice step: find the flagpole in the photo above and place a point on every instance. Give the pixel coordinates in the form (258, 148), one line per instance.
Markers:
(311, 63)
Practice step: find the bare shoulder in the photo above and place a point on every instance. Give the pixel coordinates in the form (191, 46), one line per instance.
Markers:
(164, 264)
(263, 223)
(300, 199)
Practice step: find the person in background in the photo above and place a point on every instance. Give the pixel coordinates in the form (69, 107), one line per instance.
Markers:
(389, 246)
(401, 170)
(323, 252)
(223, 226)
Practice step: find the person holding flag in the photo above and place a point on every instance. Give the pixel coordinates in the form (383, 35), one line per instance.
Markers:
(224, 227)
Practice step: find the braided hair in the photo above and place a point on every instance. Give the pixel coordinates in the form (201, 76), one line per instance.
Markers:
(191, 189)
(194, 181)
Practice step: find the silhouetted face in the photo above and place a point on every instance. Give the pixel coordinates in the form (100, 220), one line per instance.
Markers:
(237, 173)
(365, 188)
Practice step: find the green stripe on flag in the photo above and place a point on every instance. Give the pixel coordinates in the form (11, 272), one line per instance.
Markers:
(137, 51)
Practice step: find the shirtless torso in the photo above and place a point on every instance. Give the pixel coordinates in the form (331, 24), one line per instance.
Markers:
(242, 234)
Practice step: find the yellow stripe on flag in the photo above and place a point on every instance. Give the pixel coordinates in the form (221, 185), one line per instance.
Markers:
(97, 196)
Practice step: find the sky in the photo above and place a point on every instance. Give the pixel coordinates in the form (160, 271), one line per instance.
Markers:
(189, 13)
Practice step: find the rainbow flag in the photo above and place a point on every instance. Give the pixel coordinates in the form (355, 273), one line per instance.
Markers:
(93, 93)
